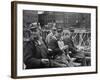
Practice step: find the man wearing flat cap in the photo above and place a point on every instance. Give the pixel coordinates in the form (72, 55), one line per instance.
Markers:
(35, 51)
(56, 52)
(51, 35)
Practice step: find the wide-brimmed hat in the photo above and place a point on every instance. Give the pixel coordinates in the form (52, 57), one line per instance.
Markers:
(71, 29)
(59, 29)
(33, 26)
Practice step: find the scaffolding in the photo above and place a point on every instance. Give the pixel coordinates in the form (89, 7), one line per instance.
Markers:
(82, 39)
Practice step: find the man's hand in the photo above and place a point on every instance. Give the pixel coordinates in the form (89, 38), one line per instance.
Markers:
(49, 49)
(65, 47)
(45, 62)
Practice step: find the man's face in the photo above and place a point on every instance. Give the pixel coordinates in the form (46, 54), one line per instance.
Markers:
(34, 33)
(67, 35)
(59, 34)
(54, 31)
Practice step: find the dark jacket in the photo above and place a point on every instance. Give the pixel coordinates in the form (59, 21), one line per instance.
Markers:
(33, 55)
(69, 42)
(54, 46)
(73, 49)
